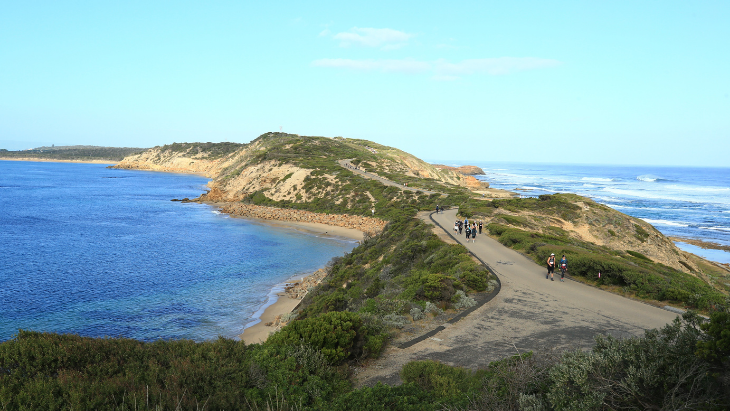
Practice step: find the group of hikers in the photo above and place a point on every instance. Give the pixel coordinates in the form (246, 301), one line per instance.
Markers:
(551, 267)
(470, 228)
(471, 234)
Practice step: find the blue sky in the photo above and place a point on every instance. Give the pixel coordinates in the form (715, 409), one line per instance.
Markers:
(579, 82)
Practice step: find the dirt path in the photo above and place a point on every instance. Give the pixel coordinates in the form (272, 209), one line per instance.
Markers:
(348, 165)
(531, 312)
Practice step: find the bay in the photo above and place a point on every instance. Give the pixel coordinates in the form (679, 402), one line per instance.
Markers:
(103, 252)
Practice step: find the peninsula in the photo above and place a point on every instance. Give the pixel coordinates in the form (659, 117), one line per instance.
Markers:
(443, 321)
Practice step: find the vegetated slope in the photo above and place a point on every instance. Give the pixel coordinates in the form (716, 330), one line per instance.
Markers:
(73, 153)
(629, 252)
(396, 274)
(293, 171)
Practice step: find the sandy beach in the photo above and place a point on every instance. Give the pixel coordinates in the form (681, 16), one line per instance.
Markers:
(284, 304)
(259, 332)
(295, 289)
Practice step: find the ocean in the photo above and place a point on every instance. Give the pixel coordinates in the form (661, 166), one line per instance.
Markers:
(101, 252)
(679, 201)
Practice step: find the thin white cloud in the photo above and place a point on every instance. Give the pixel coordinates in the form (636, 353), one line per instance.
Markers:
(324, 33)
(407, 66)
(388, 39)
(442, 70)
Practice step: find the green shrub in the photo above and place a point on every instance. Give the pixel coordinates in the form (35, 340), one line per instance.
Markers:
(440, 380)
(339, 335)
(641, 234)
(716, 346)
(405, 397)
(638, 255)
(657, 371)
(438, 287)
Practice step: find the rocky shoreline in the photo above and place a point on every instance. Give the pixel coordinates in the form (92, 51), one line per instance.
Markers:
(368, 225)
(297, 291)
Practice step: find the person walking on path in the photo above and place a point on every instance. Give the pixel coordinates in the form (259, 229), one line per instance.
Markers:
(563, 268)
(456, 227)
(474, 234)
(550, 267)
(480, 227)
(468, 233)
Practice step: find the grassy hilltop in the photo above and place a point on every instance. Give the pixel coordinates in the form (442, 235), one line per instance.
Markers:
(403, 276)
(292, 171)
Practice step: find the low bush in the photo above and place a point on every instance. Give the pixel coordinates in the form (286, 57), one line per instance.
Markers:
(657, 371)
(405, 397)
(338, 335)
(440, 380)
(59, 371)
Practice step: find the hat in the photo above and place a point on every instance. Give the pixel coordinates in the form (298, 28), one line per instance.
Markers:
(552, 254)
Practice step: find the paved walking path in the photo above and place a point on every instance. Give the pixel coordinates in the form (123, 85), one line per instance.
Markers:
(529, 313)
(348, 165)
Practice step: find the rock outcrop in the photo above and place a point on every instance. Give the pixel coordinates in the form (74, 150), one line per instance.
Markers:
(368, 225)
(466, 170)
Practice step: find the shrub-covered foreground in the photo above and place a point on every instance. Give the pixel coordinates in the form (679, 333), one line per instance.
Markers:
(51, 371)
(685, 365)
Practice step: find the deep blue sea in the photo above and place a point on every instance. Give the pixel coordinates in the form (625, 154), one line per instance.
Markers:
(101, 252)
(678, 201)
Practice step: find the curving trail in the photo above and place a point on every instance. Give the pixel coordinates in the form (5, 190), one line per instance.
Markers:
(348, 165)
(529, 313)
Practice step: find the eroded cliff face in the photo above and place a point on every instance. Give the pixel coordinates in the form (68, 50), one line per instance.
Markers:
(233, 175)
(156, 159)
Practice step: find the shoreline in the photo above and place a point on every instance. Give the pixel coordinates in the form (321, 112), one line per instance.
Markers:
(267, 318)
(706, 245)
(48, 160)
(304, 226)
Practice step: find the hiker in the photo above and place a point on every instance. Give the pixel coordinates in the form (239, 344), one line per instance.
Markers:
(480, 227)
(550, 267)
(437, 208)
(474, 234)
(461, 227)
(563, 268)
(456, 227)
(468, 233)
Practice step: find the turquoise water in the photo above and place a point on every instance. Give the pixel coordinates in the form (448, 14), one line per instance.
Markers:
(101, 252)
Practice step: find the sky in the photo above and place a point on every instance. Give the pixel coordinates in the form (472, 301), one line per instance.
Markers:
(599, 82)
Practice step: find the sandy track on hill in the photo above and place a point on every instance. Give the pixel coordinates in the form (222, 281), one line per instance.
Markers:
(529, 313)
